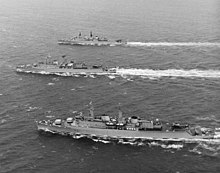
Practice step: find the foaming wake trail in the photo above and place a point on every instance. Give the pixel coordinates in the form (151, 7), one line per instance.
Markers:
(209, 149)
(169, 73)
(185, 44)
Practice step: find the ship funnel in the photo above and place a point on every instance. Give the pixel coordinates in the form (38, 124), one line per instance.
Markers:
(119, 113)
(91, 110)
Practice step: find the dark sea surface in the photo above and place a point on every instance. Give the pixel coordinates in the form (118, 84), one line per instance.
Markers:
(169, 70)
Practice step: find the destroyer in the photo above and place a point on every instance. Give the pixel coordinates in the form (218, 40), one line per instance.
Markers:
(63, 68)
(91, 41)
(133, 127)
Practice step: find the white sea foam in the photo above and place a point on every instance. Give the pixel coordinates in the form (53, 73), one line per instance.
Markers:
(55, 79)
(168, 73)
(78, 136)
(166, 146)
(173, 146)
(128, 79)
(32, 108)
(3, 30)
(41, 72)
(211, 149)
(208, 118)
(111, 77)
(105, 141)
(51, 84)
(3, 121)
(50, 116)
(47, 130)
(92, 76)
(163, 44)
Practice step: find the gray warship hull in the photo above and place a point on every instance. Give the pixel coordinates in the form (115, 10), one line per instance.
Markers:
(47, 69)
(90, 43)
(116, 133)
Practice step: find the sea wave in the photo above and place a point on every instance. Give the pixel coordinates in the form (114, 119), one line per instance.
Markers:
(3, 121)
(30, 108)
(208, 149)
(111, 77)
(50, 116)
(212, 118)
(163, 44)
(51, 84)
(55, 79)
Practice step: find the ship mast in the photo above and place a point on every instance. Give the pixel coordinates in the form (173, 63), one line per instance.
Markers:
(119, 113)
(47, 58)
(91, 110)
(64, 59)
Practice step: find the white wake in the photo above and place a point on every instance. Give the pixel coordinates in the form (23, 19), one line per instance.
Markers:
(185, 44)
(169, 73)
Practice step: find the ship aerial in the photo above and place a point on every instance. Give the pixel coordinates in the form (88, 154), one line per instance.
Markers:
(91, 41)
(63, 68)
(120, 127)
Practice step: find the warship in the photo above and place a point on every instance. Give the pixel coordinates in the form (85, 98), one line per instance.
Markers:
(63, 68)
(91, 41)
(134, 127)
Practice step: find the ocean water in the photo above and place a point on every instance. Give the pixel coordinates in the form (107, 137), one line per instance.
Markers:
(170, 70)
